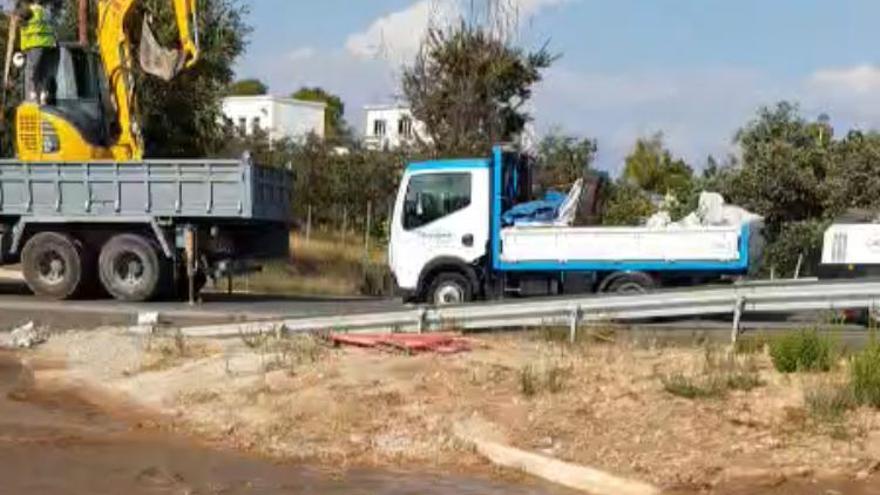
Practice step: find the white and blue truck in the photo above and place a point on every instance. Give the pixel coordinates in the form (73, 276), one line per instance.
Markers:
(452, 242)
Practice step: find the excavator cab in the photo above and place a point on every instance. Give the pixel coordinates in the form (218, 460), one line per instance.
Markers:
(85, 107)
(72, 106)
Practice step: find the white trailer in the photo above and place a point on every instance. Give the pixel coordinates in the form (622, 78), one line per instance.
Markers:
(449, 242)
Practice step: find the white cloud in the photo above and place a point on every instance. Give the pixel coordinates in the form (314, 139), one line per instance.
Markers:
(862, 79)
(396, 37)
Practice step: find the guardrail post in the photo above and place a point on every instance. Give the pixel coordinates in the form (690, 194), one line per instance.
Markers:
(737, 318)
(574, 322)
(423, 320)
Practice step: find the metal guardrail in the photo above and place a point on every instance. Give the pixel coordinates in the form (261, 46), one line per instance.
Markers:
(780, 297)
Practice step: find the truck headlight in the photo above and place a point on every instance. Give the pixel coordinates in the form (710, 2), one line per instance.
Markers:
(51, 142)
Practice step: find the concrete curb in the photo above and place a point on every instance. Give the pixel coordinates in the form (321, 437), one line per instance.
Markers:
(562, 473)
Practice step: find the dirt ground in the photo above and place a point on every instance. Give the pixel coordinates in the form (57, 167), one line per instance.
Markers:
(595, 403)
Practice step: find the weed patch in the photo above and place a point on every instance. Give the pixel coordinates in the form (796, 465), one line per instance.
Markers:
(689, 387)
(806, 350)
(865, 376)
(828, 401)
(550, 378)
(721, 373)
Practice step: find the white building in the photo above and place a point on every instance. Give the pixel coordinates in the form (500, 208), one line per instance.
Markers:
(391, 126)
(278, 117)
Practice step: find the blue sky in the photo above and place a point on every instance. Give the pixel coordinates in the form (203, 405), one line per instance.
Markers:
(694, 69)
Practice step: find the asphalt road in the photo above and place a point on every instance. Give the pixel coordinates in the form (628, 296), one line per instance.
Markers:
(17, 304)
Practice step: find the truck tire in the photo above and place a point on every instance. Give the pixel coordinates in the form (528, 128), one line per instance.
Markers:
(131, 268)
(449, 288)
(633, 283)
(54, 265)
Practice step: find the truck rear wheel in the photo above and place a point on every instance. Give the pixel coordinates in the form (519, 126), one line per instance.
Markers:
(53, 265)
(633, 283)
(449, 288)
(131, 269)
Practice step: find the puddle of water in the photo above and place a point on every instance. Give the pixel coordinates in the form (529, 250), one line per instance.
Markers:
(59, 444)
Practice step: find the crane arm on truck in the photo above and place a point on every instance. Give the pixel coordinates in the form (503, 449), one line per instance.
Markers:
(88, 110)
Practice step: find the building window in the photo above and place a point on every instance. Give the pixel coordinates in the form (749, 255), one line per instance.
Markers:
(242, 125)
(379, 128)
(255, 126)
(405, 127)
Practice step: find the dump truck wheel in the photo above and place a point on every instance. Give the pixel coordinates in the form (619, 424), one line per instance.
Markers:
(131, 269)
(53, 265)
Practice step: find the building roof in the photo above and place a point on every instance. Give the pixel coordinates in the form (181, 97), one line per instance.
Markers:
(276, 99)
(388, 106)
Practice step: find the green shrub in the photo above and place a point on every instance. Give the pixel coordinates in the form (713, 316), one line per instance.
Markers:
(865, 376)
(806, 350)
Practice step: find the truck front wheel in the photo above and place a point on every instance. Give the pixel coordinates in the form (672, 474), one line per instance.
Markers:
(53, 265)
(449, 288)
(130, 268)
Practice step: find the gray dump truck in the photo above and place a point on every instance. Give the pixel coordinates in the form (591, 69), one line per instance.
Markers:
(142, 230)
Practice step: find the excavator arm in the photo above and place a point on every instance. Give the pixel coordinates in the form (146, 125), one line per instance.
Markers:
(188, 27)
(114, 44)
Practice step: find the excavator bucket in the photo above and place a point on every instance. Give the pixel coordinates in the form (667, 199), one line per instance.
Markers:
(157, 60)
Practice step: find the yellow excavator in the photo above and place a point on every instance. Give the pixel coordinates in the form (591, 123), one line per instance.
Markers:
(89, 111)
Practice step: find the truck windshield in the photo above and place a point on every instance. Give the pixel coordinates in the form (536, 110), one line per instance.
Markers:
(431, 197)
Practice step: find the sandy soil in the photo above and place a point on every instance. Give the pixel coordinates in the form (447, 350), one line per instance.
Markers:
(598, 404)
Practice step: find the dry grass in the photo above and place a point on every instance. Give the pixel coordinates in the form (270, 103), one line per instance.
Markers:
(169, 351)
(722, 372)
(604, 406)
(327, 264)
(288, 353)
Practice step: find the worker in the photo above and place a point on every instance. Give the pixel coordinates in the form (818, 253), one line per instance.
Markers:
(37, 35)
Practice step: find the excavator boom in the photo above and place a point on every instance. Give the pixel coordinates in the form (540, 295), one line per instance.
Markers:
(89, 110)
(114, 43)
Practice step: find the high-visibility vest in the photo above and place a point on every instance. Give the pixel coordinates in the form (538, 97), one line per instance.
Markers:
(38, 31)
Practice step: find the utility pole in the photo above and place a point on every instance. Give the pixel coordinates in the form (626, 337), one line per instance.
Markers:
(84, 22)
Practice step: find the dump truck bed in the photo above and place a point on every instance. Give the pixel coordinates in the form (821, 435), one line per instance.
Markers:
(197, 189)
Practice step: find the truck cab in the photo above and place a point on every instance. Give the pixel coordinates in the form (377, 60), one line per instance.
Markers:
(453, 240)
(440, 232)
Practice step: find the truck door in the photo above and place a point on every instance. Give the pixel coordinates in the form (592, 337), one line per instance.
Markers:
(442, 215)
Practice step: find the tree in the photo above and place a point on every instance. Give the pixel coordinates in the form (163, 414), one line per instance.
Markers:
(853, 175)
(785, 160)
(627, 205)
(470, 86)
(563, 159)
(782, 176)
(248, 87)
(183, 118)
(336, 128)
(651, 167)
